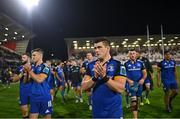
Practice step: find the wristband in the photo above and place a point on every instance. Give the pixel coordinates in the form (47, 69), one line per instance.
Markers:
(94, 79)
(106, 79)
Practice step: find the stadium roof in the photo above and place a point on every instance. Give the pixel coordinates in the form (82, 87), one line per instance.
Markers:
(10, 30)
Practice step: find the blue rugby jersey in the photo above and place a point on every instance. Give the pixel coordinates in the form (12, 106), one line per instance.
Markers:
(23, 82)
(60, 73)
(40, 91)
(134, 70)
(167, 70)
(85, 64)
(106, 102)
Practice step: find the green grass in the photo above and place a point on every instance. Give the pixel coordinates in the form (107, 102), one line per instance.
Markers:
(9, 107)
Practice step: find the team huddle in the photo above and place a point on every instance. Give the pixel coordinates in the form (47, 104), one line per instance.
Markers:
(103, 78)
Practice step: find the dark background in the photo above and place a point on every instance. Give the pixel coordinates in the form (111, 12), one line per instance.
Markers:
(54, 20)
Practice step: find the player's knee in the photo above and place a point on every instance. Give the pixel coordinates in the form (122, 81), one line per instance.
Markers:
(167, 92)
(148, 88)
(134, 103)
(175, 92)
(25, 113)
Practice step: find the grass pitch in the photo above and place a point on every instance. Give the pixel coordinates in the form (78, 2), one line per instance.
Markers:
(9, 106)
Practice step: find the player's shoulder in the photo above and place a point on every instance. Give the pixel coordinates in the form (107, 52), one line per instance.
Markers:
(140, 61)
(92, 62)
(114, 61)
(126, 62)
(45, 67)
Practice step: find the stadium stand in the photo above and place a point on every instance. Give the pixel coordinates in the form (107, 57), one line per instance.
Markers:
(151, 48)
(14, 39)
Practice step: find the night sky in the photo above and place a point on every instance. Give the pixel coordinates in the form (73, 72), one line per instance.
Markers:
(54, 20)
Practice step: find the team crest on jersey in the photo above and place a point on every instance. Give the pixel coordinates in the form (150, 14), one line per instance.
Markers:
(138, 64)
(110, 68)
(129, 65)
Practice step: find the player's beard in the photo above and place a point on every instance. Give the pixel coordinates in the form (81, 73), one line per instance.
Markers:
(23, 62)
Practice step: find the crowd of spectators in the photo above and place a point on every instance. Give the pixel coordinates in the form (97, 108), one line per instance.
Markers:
(9, 60)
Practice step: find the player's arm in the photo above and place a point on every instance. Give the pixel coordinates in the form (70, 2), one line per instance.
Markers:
(16, 77)
(37, 77)
(143, 77)
(158, 75)
(131, 82)
(87, 82)
(118, 84)
(82, 70)
(175, 73)
(59, 76)
(144, 72)
(150, 69)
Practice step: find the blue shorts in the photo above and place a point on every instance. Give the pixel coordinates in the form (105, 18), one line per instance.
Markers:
(76, 84)
(52, 84)
(60, 83)
(24, 97)
(43, 107)
(137, 92)
(147, 80)
(167, 85)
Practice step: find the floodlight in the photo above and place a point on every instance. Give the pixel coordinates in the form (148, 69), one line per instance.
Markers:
(175, 37)
(74, 41)
(151, 38)
(30, 3)
(112, 43)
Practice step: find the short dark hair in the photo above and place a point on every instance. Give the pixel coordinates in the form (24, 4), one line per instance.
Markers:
(38, 50)
(167, 51)
(133, 50)
(105, 41)
(27, 54)
(90, 53)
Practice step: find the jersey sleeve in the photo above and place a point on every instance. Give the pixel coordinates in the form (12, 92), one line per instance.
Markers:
(19, 70)
(84, 65)
(88, 71)
(46, 70)
(60, 73)
(123, 71)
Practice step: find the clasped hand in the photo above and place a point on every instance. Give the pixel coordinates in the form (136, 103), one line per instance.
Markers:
(99, 70)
